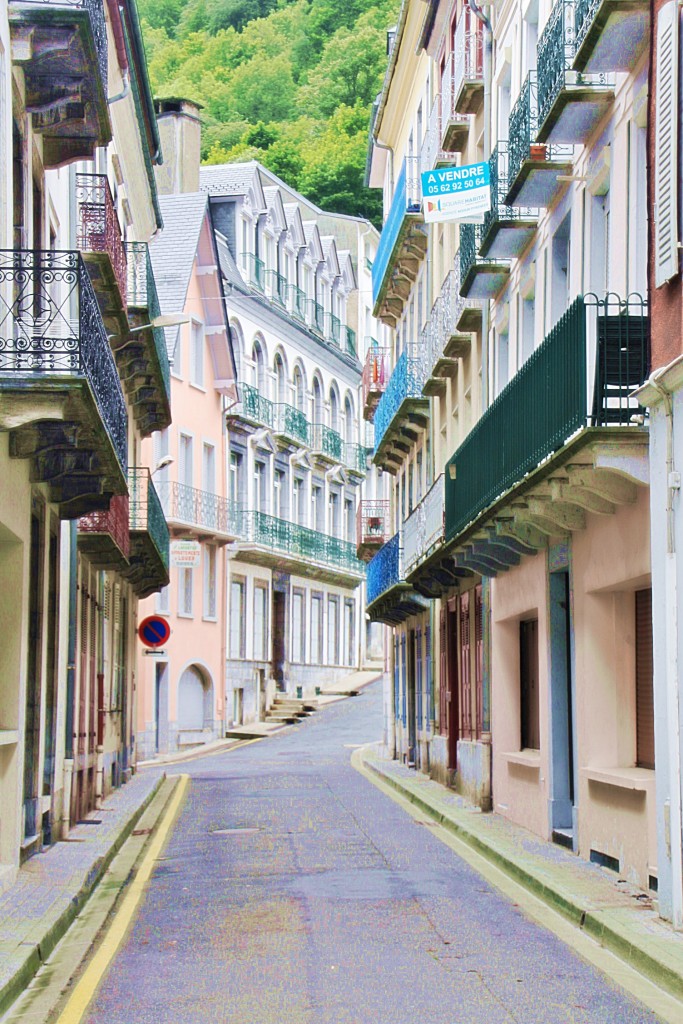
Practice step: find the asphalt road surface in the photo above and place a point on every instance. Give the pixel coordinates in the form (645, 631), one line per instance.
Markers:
(293, 891)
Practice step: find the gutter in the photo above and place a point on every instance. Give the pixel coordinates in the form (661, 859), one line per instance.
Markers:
(393, 58)
(140, 58)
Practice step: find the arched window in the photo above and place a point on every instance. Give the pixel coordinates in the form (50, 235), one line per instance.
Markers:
(280, 379)
(237, 339)
(348, 421)
(259, 369)
(299, 390)
(334, 410)
(317, 402)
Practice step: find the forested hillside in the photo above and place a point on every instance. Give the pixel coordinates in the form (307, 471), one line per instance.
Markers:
(287, 82)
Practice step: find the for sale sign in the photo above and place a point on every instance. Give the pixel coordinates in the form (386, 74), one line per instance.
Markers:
(456, 193)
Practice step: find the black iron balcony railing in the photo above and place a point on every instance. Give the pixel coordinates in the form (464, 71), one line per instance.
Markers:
(99, 230)
(556, 51)
(291, 422)
(372, 524)
(500, 213)
(146, 512)
(200, 509)
(51, 327)
(581, 376)
(522, 146)
(610, 34)
(470, 260)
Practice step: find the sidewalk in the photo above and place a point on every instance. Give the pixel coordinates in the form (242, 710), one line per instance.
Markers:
(616, 914)
(52, 887)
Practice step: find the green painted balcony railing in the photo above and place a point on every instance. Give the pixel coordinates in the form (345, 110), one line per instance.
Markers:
(146, 512)
(142, 294)
(333, 332)
(355, 457)
(349, 345)
(278, 287)
(292, 539)
(326, 440)
(255, 270)
(298, 301)
(317, 316)
(291, 421)
(549, 399)
(253, 405)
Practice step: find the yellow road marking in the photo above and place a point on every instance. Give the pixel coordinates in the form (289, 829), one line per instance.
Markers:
(94, 972)
(656, 999)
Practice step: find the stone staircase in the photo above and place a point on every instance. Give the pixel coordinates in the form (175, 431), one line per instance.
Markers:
(286, 710)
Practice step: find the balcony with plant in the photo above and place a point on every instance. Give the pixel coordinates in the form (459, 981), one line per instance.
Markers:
(570, 103)
(376, 373)
(61, 48)
(62, 398)
(372, 527)
(535, 169)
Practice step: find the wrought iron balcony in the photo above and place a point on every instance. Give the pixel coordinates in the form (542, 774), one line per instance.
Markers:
(326, 442)
(63, 401)
(372, 527)
(333, 329)
(468, 70)
(143, 356)
(203, 511)
(255, 270)
(454, 127)
(100, 240)
(389, 598)
(423, 530)
(433, 153)
(297, 301)
(355, 457)
(376, 373)
(480, 278)
(61, 46)
(401, 409)
(277, 287)
(149, 536)
(570, 103)
(443, 342)
(580, 377)
(291, 423)
(294, 548)
(533, 167)
(317, 316)
(104, 536)
(252, 406)
(610, 34)
(402, 245)
(348, 341)
(507, 230)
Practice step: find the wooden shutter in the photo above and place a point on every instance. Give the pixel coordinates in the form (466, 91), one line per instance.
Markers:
(418, 675)
(666, 135)
(478, 660)
(429, 699)
(396, 680)
(465, 674)
(645, 719)
(529, 696)
(404, 682)
(443, 675)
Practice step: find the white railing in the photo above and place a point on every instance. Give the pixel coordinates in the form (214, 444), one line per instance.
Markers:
(424, 528)
(468, 51)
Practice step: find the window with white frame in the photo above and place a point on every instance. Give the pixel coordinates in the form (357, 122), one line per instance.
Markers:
(238, 630)
(197, 354)
(260, 621)
(279, 494)
(349, 519)
(317, 629)
(333, 630)
(209, 581)
(260, 487)
(298, 501)
(163, 601)
(185, 580)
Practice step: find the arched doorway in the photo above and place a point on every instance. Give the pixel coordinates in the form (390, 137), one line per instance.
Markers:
(194, 701)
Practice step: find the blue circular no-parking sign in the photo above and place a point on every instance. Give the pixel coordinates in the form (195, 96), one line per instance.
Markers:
(154, 631)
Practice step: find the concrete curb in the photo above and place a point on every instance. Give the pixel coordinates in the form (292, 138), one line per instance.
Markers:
(630, 940)
(39, 950)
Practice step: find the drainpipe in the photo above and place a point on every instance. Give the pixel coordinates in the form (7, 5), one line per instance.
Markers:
(70, 675)
(674, 823)
(488, 72)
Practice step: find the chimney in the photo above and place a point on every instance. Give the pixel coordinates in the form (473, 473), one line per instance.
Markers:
(180, 132)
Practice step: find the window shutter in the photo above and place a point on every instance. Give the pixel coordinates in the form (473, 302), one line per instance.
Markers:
(645, 720)
(404, 712)
(478, 660)
(443, 676)
(666, 132)
(465, 675)
(418, 674)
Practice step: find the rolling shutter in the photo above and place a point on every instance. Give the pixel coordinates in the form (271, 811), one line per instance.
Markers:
(666, 133)
(645, 721)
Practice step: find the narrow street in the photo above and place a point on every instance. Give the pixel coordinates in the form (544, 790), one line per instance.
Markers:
(293, 890)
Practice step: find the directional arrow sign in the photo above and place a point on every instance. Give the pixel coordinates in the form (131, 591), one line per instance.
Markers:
(154, 631)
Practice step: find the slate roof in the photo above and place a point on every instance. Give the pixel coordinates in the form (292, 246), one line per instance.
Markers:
(226, 261)
(173, 253)
(227, 179)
